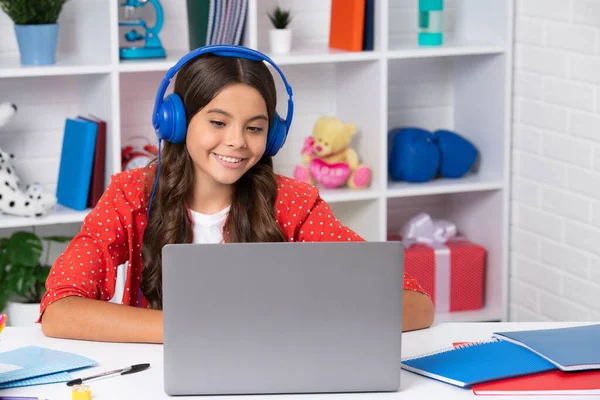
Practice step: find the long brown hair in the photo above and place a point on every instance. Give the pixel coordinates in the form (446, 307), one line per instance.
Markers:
(251, 217)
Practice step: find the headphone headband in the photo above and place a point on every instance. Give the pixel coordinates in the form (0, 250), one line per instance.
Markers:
(225, 51)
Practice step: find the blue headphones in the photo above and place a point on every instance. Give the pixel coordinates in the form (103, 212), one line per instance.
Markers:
(169, 119)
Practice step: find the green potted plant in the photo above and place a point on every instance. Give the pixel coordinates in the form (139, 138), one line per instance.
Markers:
(23, 275)
(36, 28)
(280, 37)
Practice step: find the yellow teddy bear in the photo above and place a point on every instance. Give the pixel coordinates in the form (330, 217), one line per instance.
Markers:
(328, 159)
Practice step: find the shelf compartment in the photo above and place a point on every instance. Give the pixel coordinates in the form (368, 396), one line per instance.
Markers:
(470, 27)
(454, 94)
(310, 25)
(348, 91)
(83, 43)
(34, 135)
(480, 217)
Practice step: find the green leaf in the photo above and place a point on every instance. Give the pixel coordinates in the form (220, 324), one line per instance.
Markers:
(4, 297)
(21, 279)
(41, 274)
(4, 262)
(24, 248)
(280, 18)
(33, 12)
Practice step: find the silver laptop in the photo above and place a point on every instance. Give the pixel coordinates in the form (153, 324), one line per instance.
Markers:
(258, 318)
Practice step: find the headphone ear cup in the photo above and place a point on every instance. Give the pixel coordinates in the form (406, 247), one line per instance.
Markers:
(172, 122)
(277, 135)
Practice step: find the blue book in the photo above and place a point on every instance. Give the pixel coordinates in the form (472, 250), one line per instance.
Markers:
(570, 349)
(33, 362)
(369, 27)
(467, 365)
(76, 161)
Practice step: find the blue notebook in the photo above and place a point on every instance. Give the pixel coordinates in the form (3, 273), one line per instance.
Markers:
(570, 349)
(76, 161)
(33, 362)
(467, 365)
(38, 380)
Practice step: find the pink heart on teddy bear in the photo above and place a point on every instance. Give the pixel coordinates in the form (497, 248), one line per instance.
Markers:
(329, 175)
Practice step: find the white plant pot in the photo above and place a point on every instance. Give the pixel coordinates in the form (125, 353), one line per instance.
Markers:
(280, 40)
(21, 314)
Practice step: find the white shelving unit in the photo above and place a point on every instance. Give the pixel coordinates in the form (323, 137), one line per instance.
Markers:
(464, 85)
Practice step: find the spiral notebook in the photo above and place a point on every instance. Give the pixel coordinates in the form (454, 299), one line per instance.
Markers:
(470, 364)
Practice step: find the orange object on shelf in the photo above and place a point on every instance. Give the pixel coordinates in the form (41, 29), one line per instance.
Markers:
(347, 24)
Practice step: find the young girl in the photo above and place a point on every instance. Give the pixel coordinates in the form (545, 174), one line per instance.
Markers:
(217, 185)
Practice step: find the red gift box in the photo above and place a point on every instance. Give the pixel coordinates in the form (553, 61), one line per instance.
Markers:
(452, 273)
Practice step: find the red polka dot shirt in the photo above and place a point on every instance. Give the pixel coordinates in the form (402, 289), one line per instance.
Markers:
(112, 234)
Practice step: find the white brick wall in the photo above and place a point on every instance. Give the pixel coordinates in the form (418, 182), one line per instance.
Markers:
(555, 233)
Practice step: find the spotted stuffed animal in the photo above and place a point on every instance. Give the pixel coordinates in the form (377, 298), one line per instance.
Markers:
(30, 201)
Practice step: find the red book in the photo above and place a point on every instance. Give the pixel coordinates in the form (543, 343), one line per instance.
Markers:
(97, 179)
(546, 383)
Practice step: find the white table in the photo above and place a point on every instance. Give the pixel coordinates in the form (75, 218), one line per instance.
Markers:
(149, 384)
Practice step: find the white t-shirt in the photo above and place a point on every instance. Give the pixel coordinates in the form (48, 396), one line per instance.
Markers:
(209, 228)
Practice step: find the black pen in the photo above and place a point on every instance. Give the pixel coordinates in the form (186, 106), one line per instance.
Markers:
(123, 371)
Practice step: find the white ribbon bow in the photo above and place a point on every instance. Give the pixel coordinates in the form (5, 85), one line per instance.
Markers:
(423, 229)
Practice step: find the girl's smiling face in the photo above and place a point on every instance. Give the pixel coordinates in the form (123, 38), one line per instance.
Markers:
(228, 136)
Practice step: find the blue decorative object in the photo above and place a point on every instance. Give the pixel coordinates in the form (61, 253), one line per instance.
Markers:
(152, 47)
(457, 154)
(37, 43)
(431, 22)
(414, 156)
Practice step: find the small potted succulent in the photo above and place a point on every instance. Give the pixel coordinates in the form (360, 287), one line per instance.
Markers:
(280, 36)
(23, 275)
(36, 28)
